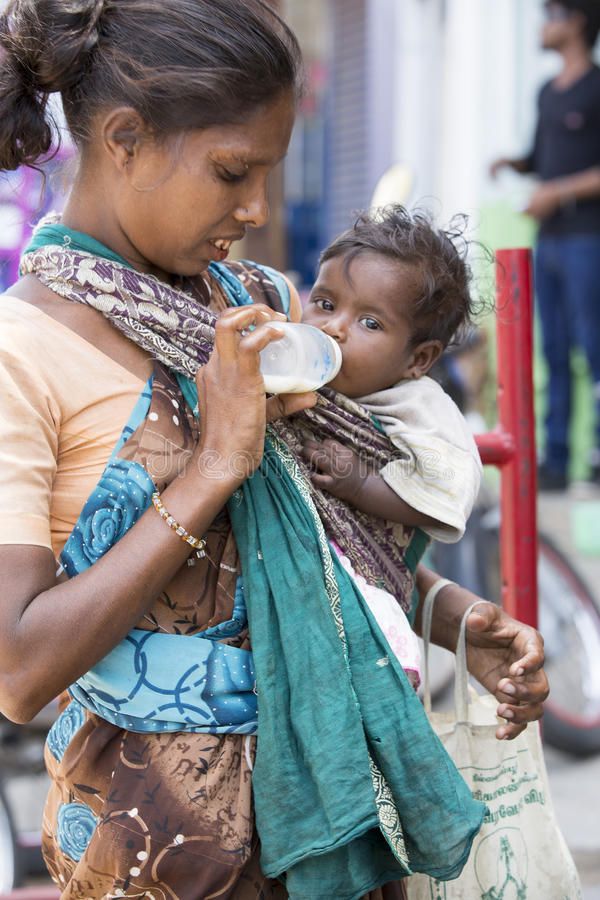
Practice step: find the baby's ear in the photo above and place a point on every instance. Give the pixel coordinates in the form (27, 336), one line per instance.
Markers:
(424, 356)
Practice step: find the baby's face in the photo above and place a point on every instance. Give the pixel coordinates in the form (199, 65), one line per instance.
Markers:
(364, 307)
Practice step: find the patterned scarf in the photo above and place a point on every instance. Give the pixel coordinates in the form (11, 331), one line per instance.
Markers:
(174, 326)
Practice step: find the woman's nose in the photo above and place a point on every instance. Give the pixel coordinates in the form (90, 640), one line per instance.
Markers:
(256, 210)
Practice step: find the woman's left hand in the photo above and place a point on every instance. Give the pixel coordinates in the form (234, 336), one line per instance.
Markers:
(507, 658)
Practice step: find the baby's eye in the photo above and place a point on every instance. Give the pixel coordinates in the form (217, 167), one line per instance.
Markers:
(371, 324)
(324, 304)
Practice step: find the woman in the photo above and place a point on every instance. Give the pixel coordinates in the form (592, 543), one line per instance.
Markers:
(180, 109)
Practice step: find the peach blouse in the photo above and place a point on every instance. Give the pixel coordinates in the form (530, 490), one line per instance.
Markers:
(63, 405)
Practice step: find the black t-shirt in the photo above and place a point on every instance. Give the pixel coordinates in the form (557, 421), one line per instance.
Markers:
(567, 141)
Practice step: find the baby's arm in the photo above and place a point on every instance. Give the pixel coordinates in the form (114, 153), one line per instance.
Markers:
(341, 472)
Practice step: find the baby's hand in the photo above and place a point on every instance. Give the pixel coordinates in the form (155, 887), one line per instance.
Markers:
(337, 469)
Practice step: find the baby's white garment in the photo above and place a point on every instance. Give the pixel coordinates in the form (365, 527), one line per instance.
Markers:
(441, 472)
(391, 619)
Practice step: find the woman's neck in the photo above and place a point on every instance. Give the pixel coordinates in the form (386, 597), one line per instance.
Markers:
(83, 216)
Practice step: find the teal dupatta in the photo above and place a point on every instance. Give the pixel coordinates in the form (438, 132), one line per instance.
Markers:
(352, 788)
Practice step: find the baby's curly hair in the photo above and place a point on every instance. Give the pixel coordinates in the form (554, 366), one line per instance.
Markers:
(444, 308)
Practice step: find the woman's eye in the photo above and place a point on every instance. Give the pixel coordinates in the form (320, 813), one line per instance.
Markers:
(324, 304)
(231, 177)
(371, 324)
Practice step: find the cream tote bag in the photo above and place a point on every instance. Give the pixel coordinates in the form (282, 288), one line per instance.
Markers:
(520, 853)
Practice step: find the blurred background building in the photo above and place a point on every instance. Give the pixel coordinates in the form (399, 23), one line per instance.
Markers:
(439, 86)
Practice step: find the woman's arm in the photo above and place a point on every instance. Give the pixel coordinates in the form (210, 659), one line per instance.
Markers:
(51, 633)
(504, 655)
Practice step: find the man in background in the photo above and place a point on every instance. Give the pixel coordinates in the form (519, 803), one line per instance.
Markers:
(566, 157)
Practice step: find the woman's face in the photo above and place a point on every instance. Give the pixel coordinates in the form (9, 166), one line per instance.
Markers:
(180, 204)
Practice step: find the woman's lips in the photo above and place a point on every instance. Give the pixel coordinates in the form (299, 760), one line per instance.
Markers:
(221, 247)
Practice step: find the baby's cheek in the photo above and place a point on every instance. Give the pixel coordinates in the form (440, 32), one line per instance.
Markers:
(350, 386)
(337, 384)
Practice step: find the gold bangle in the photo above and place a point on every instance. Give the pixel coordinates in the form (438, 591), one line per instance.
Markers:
(197, 543)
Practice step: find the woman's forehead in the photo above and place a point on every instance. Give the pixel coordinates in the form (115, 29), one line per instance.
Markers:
(261, 140)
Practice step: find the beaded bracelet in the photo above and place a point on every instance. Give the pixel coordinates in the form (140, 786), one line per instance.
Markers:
(197, 543)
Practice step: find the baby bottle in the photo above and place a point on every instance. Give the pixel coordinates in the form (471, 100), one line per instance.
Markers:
(304, 359)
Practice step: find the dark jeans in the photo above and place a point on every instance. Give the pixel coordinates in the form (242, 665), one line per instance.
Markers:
(567, 273)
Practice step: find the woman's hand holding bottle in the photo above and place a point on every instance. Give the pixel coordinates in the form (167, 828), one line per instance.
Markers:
(233, 406)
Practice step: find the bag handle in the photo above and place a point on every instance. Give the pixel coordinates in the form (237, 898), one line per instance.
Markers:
(430, 599)
(461, 680)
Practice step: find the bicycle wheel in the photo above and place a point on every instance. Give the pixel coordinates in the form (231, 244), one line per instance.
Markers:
(8, 848)
(569, 620)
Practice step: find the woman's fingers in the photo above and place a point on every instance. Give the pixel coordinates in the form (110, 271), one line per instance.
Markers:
(525, 643)
(260, 311)
(282, 405)
(533, 657)
(523, 690)
(520, 714)
(515, 724)
(231, 391)
(237, 318)
(509, 659)
(250, 345)
(483, 617)
(233, 323)
(521, 702)
(509, 732)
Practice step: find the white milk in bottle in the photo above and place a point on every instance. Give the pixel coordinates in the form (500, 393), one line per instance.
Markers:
(304, 359)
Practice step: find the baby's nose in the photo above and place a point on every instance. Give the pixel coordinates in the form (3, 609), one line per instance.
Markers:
(336, 329)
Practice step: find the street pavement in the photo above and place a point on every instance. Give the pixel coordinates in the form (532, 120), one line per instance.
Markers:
(575, 788)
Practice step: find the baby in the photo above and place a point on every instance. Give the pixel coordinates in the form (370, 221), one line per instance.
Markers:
(393, 291)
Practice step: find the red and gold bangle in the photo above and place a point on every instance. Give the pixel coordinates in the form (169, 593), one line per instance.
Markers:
(197, 543)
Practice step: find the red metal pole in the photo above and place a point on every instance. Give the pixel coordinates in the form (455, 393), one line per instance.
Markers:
(512, 446)
(496, 448)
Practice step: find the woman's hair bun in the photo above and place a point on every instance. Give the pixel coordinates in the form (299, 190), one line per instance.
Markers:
(180, 64)
(45, 47)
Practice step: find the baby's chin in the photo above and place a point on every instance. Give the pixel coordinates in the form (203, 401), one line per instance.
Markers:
(343, 386)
